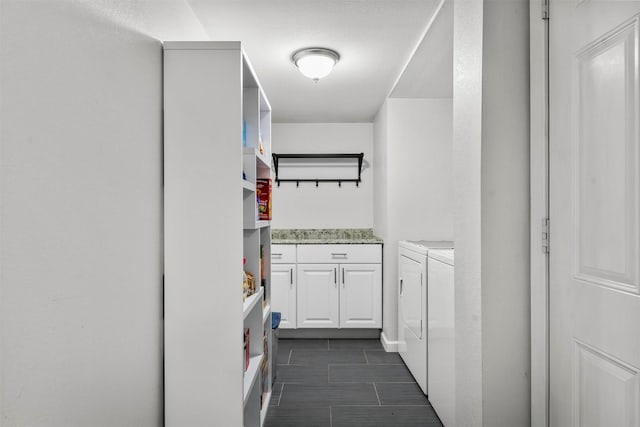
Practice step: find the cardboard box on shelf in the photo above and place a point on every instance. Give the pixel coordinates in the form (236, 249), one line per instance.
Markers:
(263, 189)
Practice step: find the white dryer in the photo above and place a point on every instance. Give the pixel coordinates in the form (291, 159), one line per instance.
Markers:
(412, 305)
(441, 335)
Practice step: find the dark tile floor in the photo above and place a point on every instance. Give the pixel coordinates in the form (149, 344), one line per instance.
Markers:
(345, 383)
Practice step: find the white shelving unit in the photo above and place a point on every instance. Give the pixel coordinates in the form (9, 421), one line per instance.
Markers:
(215, 114)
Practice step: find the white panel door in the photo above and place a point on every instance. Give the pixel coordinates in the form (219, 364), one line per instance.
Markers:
(360, 296)
(283, 293)
(594, 292)
(318, 296)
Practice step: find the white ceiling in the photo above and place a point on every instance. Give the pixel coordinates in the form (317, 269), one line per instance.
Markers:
(375, 38)
(429, 74)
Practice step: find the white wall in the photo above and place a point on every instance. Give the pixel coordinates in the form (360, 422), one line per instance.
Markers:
(467, 140)
(413, 145)
(505, 214)
(81, 193)
(491, 185)
(325, 206)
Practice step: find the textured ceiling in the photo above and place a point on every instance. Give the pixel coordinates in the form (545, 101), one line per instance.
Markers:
(375, 39)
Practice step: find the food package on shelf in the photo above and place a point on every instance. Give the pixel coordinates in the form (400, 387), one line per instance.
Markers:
(264, 190)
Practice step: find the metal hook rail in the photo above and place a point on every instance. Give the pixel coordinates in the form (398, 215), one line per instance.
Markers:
(359, 156)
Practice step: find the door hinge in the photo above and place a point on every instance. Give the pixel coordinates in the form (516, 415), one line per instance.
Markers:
(545, 235)
(545, 9)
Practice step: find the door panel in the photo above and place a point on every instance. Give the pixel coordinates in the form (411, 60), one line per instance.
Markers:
(606, 160)
(318, 296)
(283, 293)
(412, 296)
(412, 311)
(617, 384)
(594, 180)
(361, 296)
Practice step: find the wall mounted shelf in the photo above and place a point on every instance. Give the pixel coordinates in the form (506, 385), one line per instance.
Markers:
(318, 160)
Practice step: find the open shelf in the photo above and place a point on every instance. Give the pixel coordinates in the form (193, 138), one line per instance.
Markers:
(202, 242)
(263, 160)
(257, 224)
(266, 314)
(251, 374)
(265, 407)
(250, 186)
(251, 302)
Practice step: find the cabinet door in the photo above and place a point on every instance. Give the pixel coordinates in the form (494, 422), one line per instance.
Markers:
(360, 296)
(283, 293)
(318, 296)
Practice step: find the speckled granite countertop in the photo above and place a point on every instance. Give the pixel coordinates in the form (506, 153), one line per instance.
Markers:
(324, 235)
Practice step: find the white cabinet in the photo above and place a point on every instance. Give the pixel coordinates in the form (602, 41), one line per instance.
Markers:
(346, 293)
(327, 286)
(210, 95)
(283, 293)
(318, 296)
(360, 295)
(284, 284)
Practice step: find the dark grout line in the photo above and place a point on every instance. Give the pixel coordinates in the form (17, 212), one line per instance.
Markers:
(408, 406)
(281, 393)
(377, 395)
(357, 406)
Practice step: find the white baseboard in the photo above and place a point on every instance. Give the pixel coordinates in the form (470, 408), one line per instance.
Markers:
(317, 333)
(390, 346)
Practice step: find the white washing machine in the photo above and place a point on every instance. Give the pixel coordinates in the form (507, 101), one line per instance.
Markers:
(412, 305)
(441, 335)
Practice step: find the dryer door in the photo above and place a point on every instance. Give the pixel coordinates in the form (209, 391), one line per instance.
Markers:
(411, 297)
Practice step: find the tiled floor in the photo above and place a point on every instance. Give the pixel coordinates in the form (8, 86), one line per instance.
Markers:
(340, 383)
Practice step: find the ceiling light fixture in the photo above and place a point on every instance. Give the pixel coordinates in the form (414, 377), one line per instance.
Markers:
(315, 62)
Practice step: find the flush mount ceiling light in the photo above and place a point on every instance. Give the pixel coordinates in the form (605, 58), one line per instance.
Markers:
(315, 62)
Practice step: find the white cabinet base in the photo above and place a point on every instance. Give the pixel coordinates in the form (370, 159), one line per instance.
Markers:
(318, 298)
(320, 286)
(360, 296)
(283, 294)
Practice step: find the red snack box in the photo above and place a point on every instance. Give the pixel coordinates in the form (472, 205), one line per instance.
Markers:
(263, 189)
